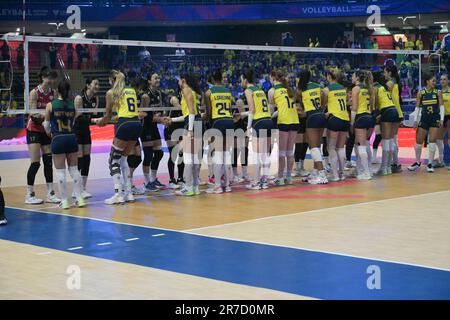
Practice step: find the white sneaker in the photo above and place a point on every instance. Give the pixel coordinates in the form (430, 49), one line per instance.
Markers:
(254, 186)
(86, 195)
(376, 161)
(135, 191)
(115, 199)
(214, 190)
(349, 165)
(342, 176)
(173, 186)
(321, 178)
(52, 198)
(430, 168)
(227, 189)
(334, 178)
(31, 199)
(364, 176)
(129, 197)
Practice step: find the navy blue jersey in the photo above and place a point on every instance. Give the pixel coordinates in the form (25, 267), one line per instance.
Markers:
(429, 102)
(62, 117)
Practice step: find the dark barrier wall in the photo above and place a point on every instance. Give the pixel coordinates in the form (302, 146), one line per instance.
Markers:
(98, 12)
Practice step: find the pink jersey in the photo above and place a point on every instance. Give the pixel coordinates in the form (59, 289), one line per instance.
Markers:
(42, 100)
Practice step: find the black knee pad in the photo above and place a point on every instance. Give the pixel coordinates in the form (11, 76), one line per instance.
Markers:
(114, 158)
(86, 165)
(157, 156)
(48, 169)
(148, 156)
(134, 161)
(32, 171)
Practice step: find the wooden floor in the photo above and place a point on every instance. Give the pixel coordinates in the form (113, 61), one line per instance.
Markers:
(403, 218)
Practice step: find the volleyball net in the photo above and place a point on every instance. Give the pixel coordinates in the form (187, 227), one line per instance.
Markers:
(80, 59)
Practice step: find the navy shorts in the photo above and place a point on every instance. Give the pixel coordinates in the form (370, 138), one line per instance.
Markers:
(128, 129)
(446, 119)
(302, 126)
(364, 121)
(64, 143)
(262, 124)
(315, 119)
(390, 115)
(150, 133)
(288, 127)
(428, 121)
(223, 124)
(338, 125)
(38, 137)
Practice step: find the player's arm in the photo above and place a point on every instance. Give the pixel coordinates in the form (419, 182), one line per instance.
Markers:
(324, 98)
(441, 108)
(187, 93)
(417, 110)
(208, 106)
(78, 105)
(35, 117)
(108, 110)
(251, 107)
(48, 111)
(354, 110)
(145, 101)
(390, 85)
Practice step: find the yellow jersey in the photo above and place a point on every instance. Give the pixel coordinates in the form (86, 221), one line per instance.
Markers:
(260, 102)
(311, 97)
(184, 104)
(363, 100)
(287, 111)
(127, 106)
(337, 101)
(396, 98)
(446, 98)
(384, 97)
(220, 102)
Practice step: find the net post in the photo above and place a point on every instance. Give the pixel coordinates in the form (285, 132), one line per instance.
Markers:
(420, 70)
(26, 76)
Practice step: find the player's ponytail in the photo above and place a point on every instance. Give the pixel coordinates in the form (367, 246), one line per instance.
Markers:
(305, 78)
(64, 91)
(280, 76)
(118, 85)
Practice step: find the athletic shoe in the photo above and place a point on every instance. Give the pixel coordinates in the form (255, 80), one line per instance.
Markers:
(150, 187)
(201, 182)
(158, 184)
(31, 199)
(342, 176)
(364, 176)
(278, 182)
(115, 199)
(430, 168)
(64, 204)
(81, 202)
(288, 181)
(438, 164)
(181, 182)
(414, 166)
(318, 180)
(396, 168)
(214, 190)
(184, 192)
(376, 160)
(254, 186)
(334, 178)
(136, 191)
(129, 197)
(236, 180)
(196, 190)
(448, 167)
(3, 221)
(86, 195)
(173, 184)
(52, 198)
(382, 172)
(227, 189)
(303, 173)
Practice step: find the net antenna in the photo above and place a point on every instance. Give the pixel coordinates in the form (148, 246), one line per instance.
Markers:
(5, 108)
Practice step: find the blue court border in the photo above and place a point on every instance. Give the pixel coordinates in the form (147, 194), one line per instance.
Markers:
(308, 273)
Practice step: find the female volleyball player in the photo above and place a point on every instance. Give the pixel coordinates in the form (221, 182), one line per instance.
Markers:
(310, 98)
(389, 118)
(259, 126)
(37, 139)
(192, 140)
(445, 91)
(59, 120)
(281, 96)
(392, 83)
(240, 144)
(430, 113)
(338, 123)
(88, 99)
(362, 120)
(218, 100)
(127, 131)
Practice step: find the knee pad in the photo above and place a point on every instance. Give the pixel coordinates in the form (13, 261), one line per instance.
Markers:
(282, 154)
(47, 159)
(114, 161)
(157, 155)
(48, 169)
(34, 167)
(86, 165)
(134, 161)
(148, 156)
(74, 173)
(316, 155)
(290, 153)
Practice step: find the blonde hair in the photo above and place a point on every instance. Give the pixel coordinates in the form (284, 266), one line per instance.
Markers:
(119, 84)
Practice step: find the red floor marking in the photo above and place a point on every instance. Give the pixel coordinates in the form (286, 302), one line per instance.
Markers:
(320, 196)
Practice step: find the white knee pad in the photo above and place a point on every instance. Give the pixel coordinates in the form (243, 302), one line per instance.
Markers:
(316, 155)
(187, 158)
(74, 173)
(385, 144)
(290, 153)
(282, 154)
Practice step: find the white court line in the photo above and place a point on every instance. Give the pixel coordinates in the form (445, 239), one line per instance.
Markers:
(312, 211)
(104, 244)
(158, 235)
(131, 239)
(271, 244)
(43, 253)
(74, 248)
